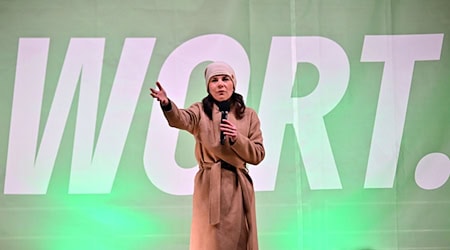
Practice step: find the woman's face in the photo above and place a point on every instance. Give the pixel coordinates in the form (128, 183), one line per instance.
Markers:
(220, 87)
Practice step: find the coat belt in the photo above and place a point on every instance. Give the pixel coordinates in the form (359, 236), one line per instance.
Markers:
(215, 179)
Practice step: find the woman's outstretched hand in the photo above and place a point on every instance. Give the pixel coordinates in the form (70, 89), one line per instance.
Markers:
(159, 94)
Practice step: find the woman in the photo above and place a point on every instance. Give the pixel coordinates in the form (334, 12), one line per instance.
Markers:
(224, 214)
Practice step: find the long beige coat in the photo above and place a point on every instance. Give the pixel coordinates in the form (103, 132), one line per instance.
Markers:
(224, 214)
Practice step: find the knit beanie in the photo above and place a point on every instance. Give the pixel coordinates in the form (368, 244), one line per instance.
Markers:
(219, 68)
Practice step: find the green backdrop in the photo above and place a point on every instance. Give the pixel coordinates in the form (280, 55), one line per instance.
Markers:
(353, 98)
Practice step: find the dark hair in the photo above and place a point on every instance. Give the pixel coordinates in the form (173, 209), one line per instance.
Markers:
(236, 103)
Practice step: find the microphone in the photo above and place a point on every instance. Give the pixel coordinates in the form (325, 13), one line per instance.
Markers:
(224, 108)
(224, 117)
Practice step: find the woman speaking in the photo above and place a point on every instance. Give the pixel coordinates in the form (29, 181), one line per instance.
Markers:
(227, 137)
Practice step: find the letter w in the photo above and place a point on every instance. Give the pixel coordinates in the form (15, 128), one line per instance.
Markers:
(92, 171)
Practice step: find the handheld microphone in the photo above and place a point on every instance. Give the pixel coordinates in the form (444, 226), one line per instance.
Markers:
(224, 117)
(224, 108)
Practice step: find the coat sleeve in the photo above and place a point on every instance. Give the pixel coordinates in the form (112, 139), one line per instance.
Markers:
(185, 119)
(250, 148)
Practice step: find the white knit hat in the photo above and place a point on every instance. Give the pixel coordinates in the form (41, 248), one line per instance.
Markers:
(219, 68)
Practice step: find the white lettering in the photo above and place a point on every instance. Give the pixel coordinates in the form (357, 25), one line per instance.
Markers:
(95, 173)
(91, 172)
(306, 113)
(399, 53)
(22, 176)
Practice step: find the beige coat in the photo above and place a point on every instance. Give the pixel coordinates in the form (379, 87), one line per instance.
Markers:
(224, 215)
